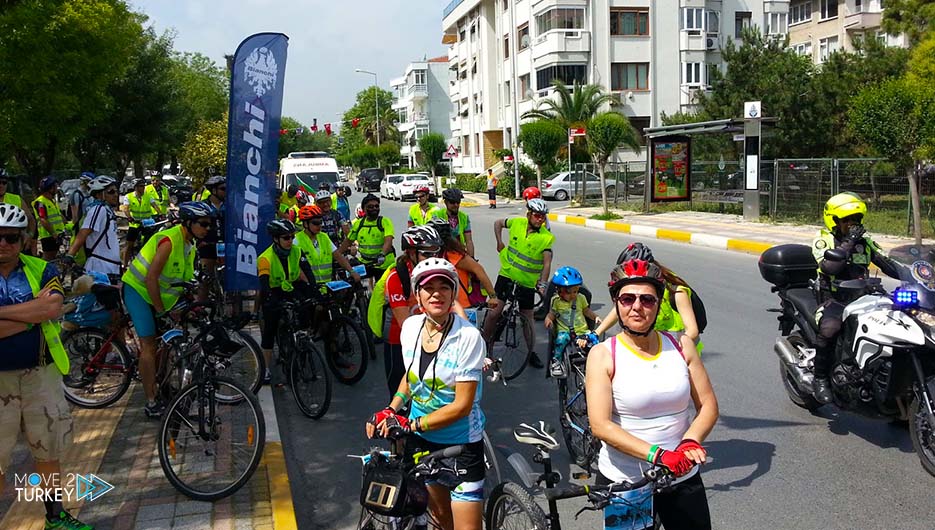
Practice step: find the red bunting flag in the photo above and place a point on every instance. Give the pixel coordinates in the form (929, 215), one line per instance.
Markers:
(328, 129)
(355, 122)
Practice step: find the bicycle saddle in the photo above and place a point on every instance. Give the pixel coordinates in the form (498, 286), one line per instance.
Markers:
(540, 436)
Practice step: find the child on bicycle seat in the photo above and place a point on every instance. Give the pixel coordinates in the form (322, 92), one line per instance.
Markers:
(569, 308)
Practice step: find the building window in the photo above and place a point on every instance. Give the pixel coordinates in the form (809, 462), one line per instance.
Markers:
(692, 74)
(473, 32)
(800, 12)
(629, 22)
(742, 20)
(421, 131)
(478, 147)
(693, 18)
(420, 77)
(776, 23)
(461, 35)
(560, 18)
(803, 48)
(506, 5)
(826, 47)
(522, 36)
(566, 73)
(507, 94)
(466, 142)
(828, 9)
(629, 76)
(403, 116)
(714, 22)
(639, 123)
(859, 6)
(506, 46)
(525, 91)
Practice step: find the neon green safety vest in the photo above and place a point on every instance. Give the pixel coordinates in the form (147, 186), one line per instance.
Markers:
(370, 238)
(521, 259)
(204, 194)
(179, 268)
(51, 329)
(277, 276)
(162, 199)
(825, 241)
(12, 198)
(140, 207)
(377, 301)
(442, 213)
(320, 259)
(420, 217)
(669, 318)
(53, 216)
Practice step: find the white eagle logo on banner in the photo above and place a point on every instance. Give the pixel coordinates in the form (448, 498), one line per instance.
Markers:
(261, 71)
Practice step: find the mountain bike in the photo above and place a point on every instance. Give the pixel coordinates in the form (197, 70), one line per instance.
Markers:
(303, 363)
(504, 346)
(344, 341)
(581, 445)
(511, 505)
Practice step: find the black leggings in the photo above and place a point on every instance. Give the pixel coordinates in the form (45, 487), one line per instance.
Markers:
(393, 365)
(684, 507)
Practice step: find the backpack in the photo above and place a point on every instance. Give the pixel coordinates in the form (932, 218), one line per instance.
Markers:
(378, 297)
(67, 212)
(701, 316)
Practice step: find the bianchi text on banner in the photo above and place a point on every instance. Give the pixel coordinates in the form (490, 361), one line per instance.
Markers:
(257, 76)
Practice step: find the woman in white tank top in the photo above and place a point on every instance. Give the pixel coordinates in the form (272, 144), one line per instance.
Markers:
(650, 401)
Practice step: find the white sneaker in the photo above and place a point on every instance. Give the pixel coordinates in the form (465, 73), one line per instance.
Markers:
(558, 368)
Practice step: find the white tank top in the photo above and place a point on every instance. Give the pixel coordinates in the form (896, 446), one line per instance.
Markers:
(651, 401)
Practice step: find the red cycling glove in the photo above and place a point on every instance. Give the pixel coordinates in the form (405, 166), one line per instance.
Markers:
(675, 461)
(378, 417)
(688, 444)
(398, 422)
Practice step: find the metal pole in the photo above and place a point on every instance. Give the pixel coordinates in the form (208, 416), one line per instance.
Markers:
(376, 104)
(513, 88)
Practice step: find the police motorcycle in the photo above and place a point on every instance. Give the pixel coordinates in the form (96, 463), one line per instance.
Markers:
(884, 359)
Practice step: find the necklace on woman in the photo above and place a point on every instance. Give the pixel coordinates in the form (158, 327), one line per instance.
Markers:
(438, 330)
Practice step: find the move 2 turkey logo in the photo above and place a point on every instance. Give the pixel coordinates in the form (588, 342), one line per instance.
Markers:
(261, 70)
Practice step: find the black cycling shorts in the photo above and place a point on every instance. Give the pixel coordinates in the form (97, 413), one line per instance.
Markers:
(469, 464)
(133, 233)
(525, 296)
(49, 244)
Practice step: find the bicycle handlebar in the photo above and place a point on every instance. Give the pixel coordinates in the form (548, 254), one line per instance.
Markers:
(653, 475)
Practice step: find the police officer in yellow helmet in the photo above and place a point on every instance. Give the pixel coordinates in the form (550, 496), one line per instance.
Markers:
(844, 251)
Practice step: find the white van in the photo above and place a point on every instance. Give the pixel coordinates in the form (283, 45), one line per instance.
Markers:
(308, 173)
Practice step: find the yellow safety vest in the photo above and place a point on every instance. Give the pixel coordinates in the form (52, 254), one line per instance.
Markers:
(442, 213)
(377, 301)
(420, 217)
(53, 216)
(320, 259)
(286, 202)
(140, 207)
(370, 238)
(162, 199)
(179, 268)
(12, 198)
(51, 329)
(204, 195)
(277, 276)
(521, 260)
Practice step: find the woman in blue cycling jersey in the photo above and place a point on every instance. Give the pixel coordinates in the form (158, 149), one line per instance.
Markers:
(444, 355)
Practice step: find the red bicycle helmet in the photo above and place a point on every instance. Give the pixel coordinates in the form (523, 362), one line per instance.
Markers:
(636, 271)
(531, 192)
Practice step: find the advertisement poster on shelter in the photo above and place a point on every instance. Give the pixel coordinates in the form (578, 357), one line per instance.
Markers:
(671, 160)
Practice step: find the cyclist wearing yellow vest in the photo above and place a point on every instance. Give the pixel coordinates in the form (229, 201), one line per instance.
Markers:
(49, 216)
(287, 200)
(280, 268)
(374, 236)
(148, 291)
(526, 263)
(459, 221)
(318, 248)
(33, 361)
(421, 212)
(138, 205)
(160, 193)
(16, 200)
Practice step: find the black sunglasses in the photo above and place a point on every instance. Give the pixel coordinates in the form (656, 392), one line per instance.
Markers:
(221, 188)
(646, 300)
(429, 253)
(315, 221)
(286, 237)
(11, 239)
(3, 183)
(111, 191)
(205, 224)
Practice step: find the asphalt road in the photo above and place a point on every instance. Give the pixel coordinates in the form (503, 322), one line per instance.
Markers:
(775, 465)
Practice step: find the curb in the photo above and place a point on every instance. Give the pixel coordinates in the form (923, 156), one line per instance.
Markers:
(680, 236)
(280, 491)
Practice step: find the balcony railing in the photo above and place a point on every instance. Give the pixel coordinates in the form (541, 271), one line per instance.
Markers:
(418, 90)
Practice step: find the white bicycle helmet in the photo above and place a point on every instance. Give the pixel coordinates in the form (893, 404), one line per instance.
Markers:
(322, 195)
(101, 183)
(537, 206)
(433, 268)
(12, 216)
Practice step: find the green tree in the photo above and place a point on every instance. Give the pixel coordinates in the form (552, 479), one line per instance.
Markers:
(203, 87)
(922, 61)
(574, 107)
(433, 147)
(306, 140)
(915, 18)
(388, 154)
(59, 57)
(541, 140)
(205, 151)
(365, 110)
(606, 133)
(897, 119)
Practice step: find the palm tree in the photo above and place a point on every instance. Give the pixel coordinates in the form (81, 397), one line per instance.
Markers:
(572, 108)
(388, 131)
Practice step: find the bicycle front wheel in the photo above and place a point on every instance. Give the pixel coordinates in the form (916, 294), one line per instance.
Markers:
(247, 365)
(574, 419)
(310, 381)
(101, 369)
(510, 507)
(347, 350)
(514, 346)
(209, 449)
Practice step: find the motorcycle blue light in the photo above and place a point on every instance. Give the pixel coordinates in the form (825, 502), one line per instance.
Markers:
(905, 297)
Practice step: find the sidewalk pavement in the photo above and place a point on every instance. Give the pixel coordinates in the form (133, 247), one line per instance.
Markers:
(118, 444)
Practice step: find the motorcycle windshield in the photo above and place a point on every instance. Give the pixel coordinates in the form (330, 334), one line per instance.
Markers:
(917, 274)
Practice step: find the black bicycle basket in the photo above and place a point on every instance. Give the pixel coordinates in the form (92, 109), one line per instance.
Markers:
(388, 490)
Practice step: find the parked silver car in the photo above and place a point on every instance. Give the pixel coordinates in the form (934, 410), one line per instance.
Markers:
(560, 187)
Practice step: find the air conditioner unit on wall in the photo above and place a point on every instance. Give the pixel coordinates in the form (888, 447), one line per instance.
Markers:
(710, 43)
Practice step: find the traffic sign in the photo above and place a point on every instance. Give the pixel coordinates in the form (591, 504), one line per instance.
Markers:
(576, 131)
(450, 153)
(752, 110)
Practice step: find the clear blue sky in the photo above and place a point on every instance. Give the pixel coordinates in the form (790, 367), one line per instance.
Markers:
(327, 41)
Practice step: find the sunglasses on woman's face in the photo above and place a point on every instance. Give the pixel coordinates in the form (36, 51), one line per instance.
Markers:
(430, 253)
(205, 224)
(286, 237)
(11, 239)
(646, 300)
(112, 191)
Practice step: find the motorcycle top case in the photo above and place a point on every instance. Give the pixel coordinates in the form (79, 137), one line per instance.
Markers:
(785, 265)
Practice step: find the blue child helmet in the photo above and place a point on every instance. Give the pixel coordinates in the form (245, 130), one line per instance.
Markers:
(567, 277)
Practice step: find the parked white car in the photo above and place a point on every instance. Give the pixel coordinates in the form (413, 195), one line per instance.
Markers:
(560, 187)
(405, 188)
(388, 186)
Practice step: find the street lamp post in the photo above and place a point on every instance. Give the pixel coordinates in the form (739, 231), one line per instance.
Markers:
(376, 99)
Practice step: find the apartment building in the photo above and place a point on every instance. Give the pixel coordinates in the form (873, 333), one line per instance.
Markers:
(818, 28)
(423, 105)
(652, 55)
